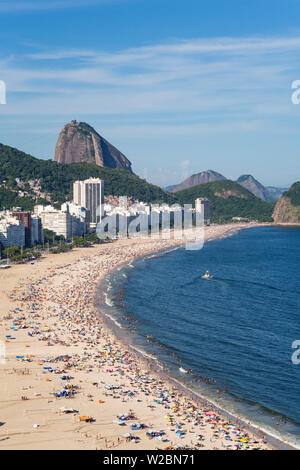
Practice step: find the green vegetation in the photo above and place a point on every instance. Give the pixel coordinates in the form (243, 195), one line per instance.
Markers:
(9, 199)
(61, 249)
(57, 179)
(53, 243)
(51, 239)
(18, 255)
(294, 194)
(228, 199)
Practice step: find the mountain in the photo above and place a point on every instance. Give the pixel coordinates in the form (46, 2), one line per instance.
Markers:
(208, 176)
(268, 193)
(78, 142)
(287, 209)
(55, 181)
(45, 181)
(275, 193)
(254, 186)
(228, 199)
(170, 188)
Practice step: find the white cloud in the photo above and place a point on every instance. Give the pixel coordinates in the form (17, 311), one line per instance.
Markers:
(233, 80)
(211, 46)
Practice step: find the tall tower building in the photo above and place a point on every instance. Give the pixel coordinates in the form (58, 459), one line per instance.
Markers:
(90, 195)
(25, 217)
(205, 204)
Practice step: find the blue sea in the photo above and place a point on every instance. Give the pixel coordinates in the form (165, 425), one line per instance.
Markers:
(229, 338)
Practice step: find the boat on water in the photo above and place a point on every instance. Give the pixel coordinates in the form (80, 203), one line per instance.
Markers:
(207, 275)
(181, 369)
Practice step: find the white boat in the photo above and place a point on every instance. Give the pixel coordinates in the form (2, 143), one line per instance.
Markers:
(207, 275)
(181, 369)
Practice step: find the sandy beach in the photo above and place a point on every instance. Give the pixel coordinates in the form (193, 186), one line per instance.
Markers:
(67, 383)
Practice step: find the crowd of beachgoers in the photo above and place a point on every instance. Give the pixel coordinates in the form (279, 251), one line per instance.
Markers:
(68, 383)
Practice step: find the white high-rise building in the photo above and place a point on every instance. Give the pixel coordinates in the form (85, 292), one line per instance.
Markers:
(12, 230)
(80, 217)
(203, 204)
(70, 221)
(90, 195)
(37, 232)
(58, 222)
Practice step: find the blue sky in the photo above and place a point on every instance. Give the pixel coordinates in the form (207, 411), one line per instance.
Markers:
(179, 86)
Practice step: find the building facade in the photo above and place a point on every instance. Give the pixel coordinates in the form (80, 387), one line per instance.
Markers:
(69, 222)
(203, 204)
(90, 195)
(80, 218)
(25, 217)
(12, 231)
(37, 232)
(58, 222)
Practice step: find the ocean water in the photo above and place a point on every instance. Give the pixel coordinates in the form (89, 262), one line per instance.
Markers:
(229, 338)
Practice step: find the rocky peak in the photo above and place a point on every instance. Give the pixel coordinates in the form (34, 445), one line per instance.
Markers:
(78, 142)
(287, 209)
(208, 176)
(254, 186)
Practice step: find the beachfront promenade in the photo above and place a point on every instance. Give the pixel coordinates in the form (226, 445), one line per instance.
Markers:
(67, 383)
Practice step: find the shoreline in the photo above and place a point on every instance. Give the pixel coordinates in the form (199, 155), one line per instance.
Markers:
(57, 304)
(286, 224)
(115, 328)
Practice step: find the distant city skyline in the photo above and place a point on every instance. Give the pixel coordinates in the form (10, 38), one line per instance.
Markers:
(179, 87)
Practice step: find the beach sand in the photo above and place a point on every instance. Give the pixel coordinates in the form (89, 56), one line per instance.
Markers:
(48, 319)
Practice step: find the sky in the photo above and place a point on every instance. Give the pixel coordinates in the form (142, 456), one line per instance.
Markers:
(179, 86)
